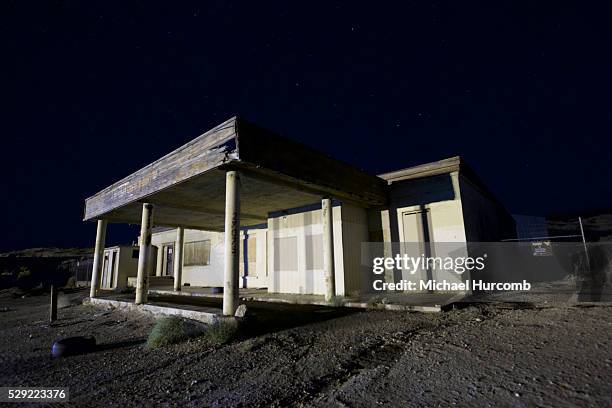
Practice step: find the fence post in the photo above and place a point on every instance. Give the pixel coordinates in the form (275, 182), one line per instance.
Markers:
(53, 310)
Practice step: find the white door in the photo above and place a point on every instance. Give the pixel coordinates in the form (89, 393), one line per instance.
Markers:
(416, 245)
(108, 269)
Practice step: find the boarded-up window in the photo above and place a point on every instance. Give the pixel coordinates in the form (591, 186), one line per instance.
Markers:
(314, 252)
(248, 263)
(285, 254)
(197, 253)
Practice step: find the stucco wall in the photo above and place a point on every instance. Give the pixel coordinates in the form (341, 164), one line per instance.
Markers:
(212, 274)
(127, 267)
(201, 275)
(295, 252)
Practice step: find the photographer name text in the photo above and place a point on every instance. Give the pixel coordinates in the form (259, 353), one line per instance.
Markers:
(444, 285)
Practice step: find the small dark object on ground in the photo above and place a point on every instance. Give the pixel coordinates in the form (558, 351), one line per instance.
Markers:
(71, 346)
(217, 289)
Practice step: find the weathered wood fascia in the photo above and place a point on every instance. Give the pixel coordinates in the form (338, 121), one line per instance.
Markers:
(424, 170)
(204, 153)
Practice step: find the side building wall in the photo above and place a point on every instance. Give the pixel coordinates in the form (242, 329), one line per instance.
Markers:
(127, 266)
(486, 220)
(118, 264)
(210, 274)
(425, 210)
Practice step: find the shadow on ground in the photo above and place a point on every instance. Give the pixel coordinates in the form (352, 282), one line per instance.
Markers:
(119, 344)
(270, 317)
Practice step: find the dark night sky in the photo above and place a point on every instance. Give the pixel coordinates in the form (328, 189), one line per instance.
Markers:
(93, 91)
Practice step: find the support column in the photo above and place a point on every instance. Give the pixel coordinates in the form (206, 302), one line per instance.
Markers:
(178, 258)
(328, 248)
(97, 261)
(144, 255)
(232, 240)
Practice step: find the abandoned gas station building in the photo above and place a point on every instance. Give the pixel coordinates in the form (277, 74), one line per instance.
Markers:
(241, 207)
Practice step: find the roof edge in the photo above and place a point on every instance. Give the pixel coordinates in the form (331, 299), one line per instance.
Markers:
(444, 166)
(424, 170)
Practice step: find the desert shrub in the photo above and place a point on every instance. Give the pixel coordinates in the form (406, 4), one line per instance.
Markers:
(24, 272)
(172, 330)
(167, 330)
(337, 301)
(221, 332)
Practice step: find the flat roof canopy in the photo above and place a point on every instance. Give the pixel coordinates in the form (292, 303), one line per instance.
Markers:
(187, 185)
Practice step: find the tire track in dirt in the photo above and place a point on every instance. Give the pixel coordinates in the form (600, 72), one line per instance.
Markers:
(378, 356)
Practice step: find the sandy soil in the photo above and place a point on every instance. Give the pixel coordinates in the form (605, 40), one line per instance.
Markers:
(481, 355)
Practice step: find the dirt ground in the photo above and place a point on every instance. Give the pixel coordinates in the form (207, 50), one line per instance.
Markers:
(481, 355)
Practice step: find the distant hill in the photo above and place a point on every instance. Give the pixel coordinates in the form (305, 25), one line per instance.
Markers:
(597, 225)
(33, 267)
(50, 253)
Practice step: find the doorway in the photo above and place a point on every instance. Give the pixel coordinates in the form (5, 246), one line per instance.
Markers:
(108, 269)
(168, 260)
(416, 243)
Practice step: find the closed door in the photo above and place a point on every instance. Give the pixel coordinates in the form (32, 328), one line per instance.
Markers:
(416, 245)
(108, 267)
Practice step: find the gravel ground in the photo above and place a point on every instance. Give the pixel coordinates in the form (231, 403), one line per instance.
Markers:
(480, 355)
